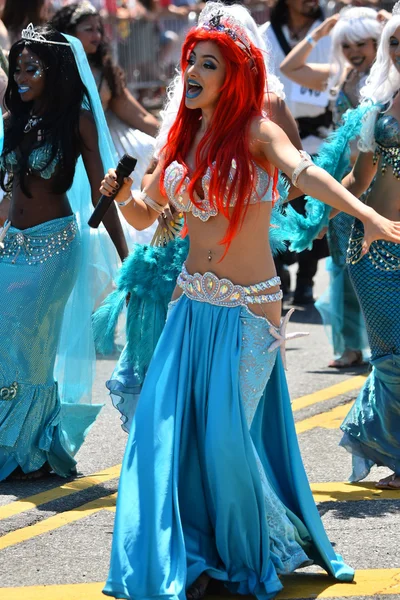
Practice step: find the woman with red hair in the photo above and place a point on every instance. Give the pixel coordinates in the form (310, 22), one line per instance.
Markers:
(212, 484)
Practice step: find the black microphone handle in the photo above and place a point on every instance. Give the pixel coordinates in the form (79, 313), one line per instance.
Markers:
(105, 202)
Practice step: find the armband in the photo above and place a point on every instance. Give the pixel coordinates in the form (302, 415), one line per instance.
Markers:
(304, 163)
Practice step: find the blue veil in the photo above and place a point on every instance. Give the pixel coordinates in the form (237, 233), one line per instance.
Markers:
(75, 365)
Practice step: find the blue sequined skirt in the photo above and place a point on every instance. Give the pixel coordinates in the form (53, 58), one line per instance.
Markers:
(371, 429)
(212, 478)
(38, 269)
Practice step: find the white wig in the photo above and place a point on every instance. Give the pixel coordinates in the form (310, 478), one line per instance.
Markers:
(176, 87)
(381, 85)
(355, 24)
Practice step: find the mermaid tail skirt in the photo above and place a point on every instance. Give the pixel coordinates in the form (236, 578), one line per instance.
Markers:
(202, 488)
(371, 429)
(339, 306)
(38, 268)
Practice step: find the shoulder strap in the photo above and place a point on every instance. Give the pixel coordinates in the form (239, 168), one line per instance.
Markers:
(284, 44)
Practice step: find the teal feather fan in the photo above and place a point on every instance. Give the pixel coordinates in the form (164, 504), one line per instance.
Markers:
(334, 157)
(149, 275)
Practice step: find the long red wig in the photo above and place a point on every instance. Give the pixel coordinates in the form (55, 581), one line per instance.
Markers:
(227, 137)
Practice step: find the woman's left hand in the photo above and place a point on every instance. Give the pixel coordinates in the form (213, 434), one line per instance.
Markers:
(377, 227)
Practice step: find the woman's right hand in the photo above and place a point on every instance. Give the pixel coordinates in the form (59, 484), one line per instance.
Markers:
(325, 28)
(109, 186)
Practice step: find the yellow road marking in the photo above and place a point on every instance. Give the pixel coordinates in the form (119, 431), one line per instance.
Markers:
(367, 583)
(65, 518)
(337, 491)
(371, 582)
(349, 385)
(327, 420)
(83, 483)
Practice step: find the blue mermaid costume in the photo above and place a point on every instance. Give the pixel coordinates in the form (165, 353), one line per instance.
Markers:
(52, 275)
(212, 479)
(372, 427)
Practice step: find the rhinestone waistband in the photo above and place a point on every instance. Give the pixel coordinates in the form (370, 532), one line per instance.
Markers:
(222, 292)
(36, 247)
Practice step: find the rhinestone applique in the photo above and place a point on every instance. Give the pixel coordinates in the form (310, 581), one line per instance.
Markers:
(379, 253)
(222, 292)
(179, 198)
(9, 393)
(37, 248)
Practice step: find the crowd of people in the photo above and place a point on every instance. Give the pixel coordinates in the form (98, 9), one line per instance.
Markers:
(277, 142)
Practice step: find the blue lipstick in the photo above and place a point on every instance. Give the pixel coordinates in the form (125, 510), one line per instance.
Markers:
(195, 91)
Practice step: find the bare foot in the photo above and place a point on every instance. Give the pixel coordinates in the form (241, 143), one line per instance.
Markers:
(392, 482)
(349, 358)
(198, 589)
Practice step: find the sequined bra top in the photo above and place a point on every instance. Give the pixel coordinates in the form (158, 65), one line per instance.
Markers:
(179, 198)
(387, 138)
(38, 159)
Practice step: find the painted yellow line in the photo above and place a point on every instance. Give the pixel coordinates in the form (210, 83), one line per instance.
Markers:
(337, 491)
(83, 483)
(351, 384)
(374, 582)
(327, 420)
(65, 518)
(367, 583)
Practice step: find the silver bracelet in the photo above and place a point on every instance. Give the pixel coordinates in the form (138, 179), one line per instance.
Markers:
(310, 40)
(125, 202)
(150, 202)
(304, 163)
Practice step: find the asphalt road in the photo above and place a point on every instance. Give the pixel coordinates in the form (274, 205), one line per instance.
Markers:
(63, 536)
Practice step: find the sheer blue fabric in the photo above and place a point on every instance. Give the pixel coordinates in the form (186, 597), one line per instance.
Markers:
(339, 306)
(191, 496)
(371, 429)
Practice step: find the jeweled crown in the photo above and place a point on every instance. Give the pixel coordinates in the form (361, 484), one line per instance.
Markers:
(220, 21)
(31, 35)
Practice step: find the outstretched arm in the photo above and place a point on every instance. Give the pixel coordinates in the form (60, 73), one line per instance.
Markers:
(274, 144)
(94, 169)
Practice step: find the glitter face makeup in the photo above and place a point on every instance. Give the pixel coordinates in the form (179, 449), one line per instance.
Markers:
(29, 75)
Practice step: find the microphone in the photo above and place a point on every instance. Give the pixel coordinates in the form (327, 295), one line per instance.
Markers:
(124, 168)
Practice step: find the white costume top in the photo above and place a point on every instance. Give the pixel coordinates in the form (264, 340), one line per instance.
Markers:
(317, 101)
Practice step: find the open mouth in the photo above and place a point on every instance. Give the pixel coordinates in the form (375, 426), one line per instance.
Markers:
(23, 89)
(193, 89)
(357, 61)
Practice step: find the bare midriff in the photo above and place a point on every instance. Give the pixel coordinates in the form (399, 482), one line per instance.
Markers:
(43, 206)
(384, 196)
(248, 260)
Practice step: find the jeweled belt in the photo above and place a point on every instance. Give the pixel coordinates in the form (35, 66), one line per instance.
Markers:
(37, 248)
(222, 292)
(379, 253)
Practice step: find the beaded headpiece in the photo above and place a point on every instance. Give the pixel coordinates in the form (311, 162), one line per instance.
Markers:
(31, 35)
(85, 9)
(396, 9)
(218, 21)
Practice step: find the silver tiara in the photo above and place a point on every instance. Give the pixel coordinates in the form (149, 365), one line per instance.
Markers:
(84, 9)
(219, 21)
(396, 9)
(31, 35)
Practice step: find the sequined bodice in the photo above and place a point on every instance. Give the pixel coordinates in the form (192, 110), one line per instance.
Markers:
(179, 198)
(387, 138)
(38, 159)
